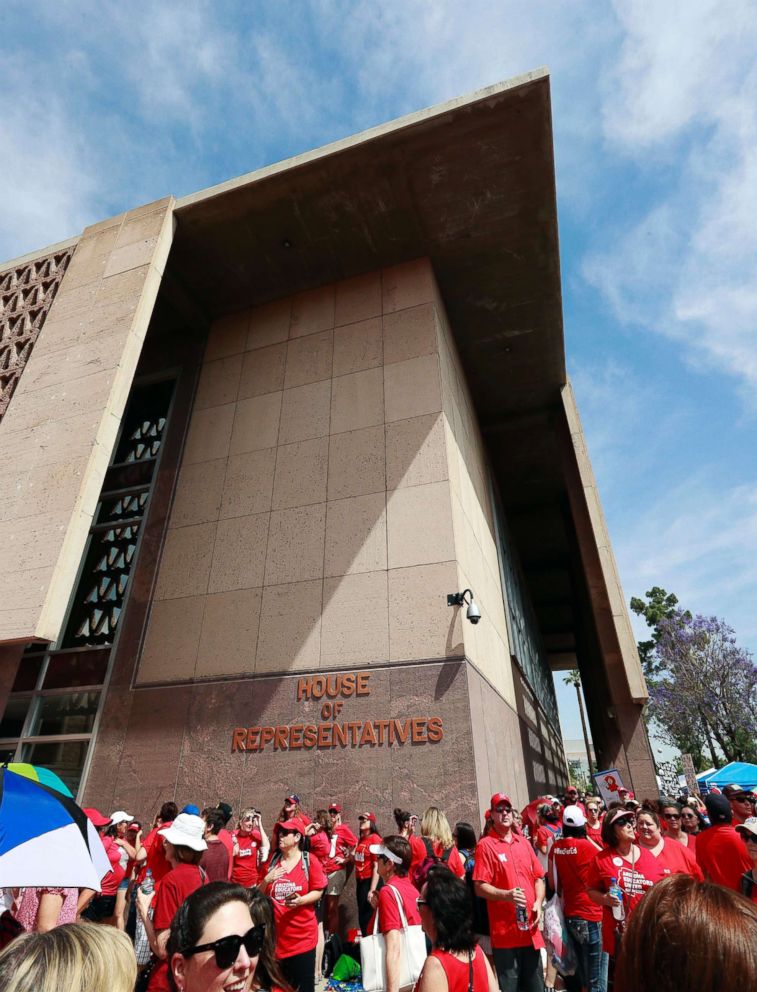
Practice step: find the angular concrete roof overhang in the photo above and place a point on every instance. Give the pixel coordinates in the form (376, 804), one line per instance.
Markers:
(470, 184)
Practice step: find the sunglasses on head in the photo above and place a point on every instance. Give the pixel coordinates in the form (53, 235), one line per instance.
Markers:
(226, 949)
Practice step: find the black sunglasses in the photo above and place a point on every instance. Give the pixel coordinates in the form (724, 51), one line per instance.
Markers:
(226, 949)
(421, 902)
(625, 821)
(672, 816)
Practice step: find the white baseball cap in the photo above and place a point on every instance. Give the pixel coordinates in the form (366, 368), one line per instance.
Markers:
(572, 816)
(187, 830)
(120, 816)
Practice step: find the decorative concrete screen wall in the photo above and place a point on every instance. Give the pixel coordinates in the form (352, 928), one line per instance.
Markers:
(59, 429)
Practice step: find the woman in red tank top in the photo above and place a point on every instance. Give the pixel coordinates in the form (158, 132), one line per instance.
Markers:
(456, 962)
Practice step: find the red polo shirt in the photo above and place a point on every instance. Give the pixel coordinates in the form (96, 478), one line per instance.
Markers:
(722, 855)
(508, 864)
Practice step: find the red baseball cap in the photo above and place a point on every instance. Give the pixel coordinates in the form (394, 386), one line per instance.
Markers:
(335, 808)
(367, 816)
(96, 816)
(294, 824)
(498, 799)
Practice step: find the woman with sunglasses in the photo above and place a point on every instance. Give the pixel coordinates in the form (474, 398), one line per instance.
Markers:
(295, 881)
(456, 962)
(214, 943)
(692, 821)
(594, 820)
(674, 857)
(630, 867)
(367, 881)
(671, 813)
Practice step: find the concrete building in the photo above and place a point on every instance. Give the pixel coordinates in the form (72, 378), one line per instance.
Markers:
(251, 440)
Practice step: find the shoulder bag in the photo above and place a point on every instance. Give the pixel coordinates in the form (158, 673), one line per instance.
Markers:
(373, 953)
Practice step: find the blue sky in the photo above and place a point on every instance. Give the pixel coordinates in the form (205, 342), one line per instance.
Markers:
(107, 105)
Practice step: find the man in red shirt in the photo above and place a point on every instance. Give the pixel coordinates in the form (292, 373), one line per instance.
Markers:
(508, 875)
(720, 851)
(741, 804)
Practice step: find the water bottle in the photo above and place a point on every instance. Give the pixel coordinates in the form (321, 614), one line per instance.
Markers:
(618, 912)
(148, 883)
(521, 917)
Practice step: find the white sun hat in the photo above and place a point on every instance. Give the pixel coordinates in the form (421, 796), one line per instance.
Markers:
(186, 831)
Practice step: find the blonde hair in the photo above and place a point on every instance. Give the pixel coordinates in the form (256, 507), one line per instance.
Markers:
(435, 826)
(82, 957)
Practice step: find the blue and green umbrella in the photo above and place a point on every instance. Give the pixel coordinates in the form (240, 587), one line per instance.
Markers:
(45, 838)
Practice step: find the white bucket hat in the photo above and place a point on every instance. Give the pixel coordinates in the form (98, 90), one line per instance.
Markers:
(120, 816)
(186, 831)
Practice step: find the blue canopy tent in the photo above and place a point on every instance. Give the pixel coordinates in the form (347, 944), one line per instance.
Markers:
(739, 772)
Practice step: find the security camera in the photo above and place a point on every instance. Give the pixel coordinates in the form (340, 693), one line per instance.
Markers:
(473, 613)
(458, 599)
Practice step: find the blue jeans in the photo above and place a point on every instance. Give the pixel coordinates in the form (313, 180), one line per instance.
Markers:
(592, 962)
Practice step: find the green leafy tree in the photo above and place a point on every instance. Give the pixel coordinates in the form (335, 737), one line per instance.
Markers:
(657, 605)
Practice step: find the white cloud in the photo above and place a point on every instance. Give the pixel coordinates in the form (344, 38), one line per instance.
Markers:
(48, 191)
(681, 106)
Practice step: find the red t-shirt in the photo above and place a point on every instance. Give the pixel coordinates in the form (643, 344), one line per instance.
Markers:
(340, 848)
(595, 834)
(389, 912)
(364, 860)
(458, 972)
(678, 860)
(453, 860)
(722, 856)
(179, 883)
(545, 837)
(417, 851)
(156, 861)
(296, 927)
(244, 870)
(320, 845)
(634, 881)
(111, 880)
(571, 857)
(508, 865)
(227, 840)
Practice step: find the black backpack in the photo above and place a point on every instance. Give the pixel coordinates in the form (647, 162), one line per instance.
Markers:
(478, 905)
(422, 868)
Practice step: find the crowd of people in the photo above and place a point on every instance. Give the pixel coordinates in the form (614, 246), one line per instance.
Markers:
(646, 895)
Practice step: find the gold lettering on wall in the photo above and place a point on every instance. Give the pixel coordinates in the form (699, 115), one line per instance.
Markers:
(332, 689)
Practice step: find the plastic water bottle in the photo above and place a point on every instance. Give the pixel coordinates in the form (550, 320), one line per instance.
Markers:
(521, 917)
(618, 912)
(148, 883)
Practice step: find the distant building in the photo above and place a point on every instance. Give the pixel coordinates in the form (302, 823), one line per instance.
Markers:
(575, 755)
(252, 438)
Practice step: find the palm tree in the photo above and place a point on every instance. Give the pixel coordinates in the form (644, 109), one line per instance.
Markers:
(574, 678)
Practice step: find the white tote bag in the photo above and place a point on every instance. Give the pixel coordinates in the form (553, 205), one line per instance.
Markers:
(373, 953)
